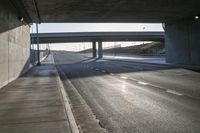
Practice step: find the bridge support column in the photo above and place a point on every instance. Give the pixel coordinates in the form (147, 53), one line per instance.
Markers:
(182, 40)
(100, 49)
(94, 50)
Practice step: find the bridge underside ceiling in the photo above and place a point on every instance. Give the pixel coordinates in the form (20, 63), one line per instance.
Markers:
(110, 10)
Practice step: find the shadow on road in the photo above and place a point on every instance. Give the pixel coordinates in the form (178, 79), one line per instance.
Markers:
(77, 67)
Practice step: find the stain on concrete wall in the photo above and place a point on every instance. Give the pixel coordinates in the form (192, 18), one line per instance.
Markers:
(14, 44)
(14, 53)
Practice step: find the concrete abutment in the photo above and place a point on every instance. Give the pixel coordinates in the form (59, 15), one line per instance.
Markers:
(14, 54)
(182, 40)
(14, 44)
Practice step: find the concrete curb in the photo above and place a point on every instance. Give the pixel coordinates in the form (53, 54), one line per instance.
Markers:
(44, 58)
(73, 126)
(36, 62)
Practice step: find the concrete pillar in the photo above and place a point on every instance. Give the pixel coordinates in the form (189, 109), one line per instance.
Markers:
(94, 49)
(100, 49)
(182, 40)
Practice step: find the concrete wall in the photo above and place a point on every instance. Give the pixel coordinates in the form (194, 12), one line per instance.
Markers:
(182, 40)
(9, 18)
(14, 53)
(14, 44)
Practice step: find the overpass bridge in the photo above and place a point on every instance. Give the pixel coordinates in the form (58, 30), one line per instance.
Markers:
(181, 19)
(96, 37)
(28, 104)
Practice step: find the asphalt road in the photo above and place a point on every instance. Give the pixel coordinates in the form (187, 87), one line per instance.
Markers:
(129, 97)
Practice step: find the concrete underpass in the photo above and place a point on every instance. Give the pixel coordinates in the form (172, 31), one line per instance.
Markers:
(66, 92)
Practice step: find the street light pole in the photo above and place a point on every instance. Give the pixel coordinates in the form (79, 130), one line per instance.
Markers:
(38, 48)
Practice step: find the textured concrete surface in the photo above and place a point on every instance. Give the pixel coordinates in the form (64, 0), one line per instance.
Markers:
(15, 53)
(111, 10)
(8, 16)
(128, 97)
(33, 104)
(182, 42)
(14, 44)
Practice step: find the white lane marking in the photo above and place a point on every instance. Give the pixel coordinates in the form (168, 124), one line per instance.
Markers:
(111, 73)
(123, 77)
(142, 83)
(174, 92)
(97, 69)
(103, 71)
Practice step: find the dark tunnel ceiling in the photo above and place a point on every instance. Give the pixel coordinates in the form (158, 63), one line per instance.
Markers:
(110, 10)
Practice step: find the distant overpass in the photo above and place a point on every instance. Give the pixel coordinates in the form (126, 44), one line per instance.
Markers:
(96, 36)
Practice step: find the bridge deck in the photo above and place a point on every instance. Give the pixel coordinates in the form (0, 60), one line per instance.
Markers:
(97, 36)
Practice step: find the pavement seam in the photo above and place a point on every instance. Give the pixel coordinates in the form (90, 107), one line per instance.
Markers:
(73, 126)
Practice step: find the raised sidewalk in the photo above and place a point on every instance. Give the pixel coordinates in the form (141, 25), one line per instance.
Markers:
(33, 103)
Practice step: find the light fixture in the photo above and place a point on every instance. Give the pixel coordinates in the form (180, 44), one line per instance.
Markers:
(21, 19)
(196, 17)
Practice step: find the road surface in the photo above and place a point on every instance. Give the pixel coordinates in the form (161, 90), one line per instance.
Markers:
(130, 97)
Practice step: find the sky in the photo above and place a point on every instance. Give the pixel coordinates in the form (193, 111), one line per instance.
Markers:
(98, 27)
(93, 27)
